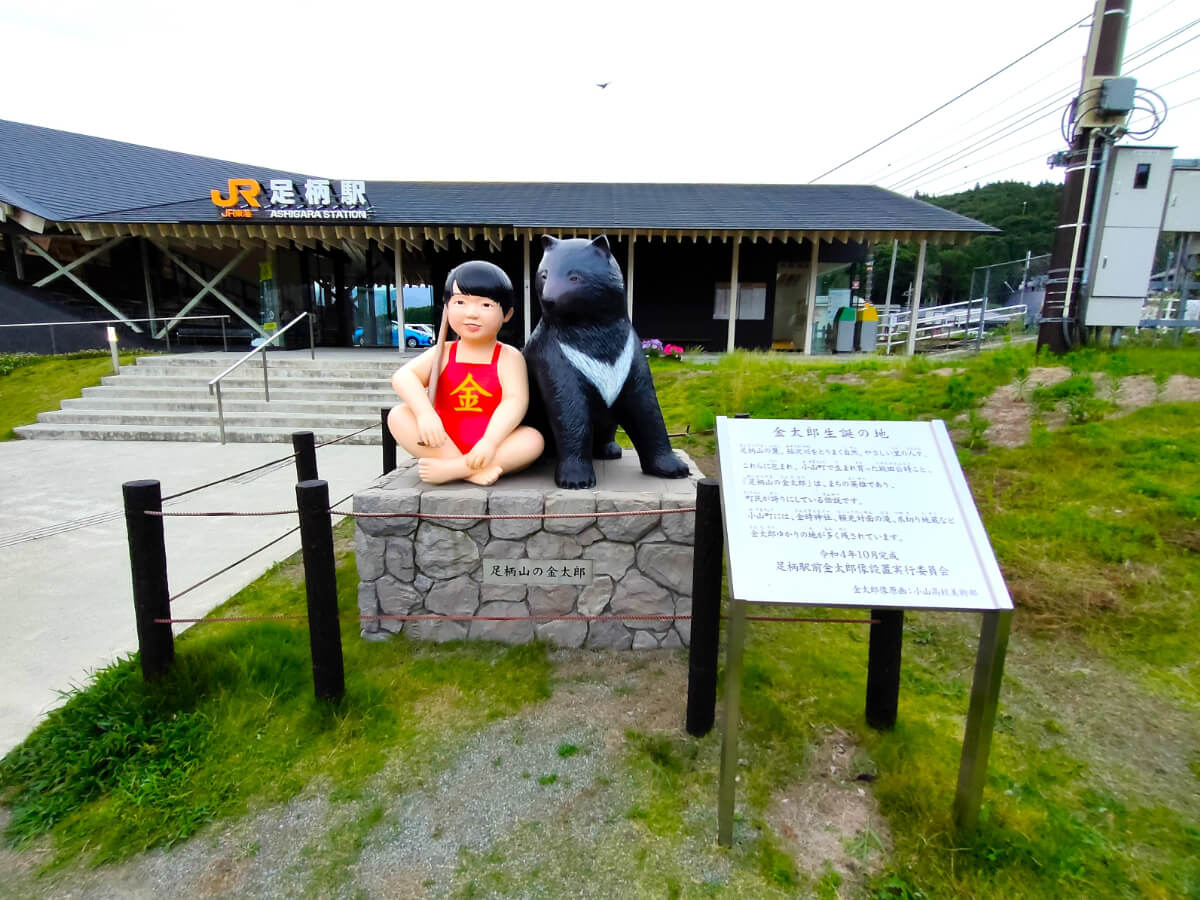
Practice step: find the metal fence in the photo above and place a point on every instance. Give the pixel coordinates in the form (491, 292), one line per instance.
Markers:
(948, 326)
(999, 281)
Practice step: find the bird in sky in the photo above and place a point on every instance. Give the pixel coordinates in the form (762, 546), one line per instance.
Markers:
(602, 86)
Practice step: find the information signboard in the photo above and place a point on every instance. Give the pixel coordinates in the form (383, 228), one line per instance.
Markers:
(853, 514)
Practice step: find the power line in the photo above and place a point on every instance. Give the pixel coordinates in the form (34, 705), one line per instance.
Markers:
(1013, 118)
(1009, 149)
(1162, 40)
(979, 178)
(1180, 78)
(1151, 14)
(1164, 53)
(1005, 129)
(1008, 130)
(957, 97)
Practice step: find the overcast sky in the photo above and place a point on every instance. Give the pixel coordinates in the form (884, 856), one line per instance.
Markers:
(734, 92)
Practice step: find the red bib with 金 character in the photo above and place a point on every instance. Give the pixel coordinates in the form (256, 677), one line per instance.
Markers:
(467, 395)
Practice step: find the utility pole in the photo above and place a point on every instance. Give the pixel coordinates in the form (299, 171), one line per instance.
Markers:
(1061, 327)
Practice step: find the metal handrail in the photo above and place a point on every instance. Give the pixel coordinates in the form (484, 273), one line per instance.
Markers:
(215, 384)
(122, 321)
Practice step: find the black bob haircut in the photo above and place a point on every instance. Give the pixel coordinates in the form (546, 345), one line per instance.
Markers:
(480, 279)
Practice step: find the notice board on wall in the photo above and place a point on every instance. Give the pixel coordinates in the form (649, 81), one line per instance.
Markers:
(852, 514)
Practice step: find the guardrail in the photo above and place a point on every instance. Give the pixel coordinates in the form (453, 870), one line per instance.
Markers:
(215, 384)
(53, 325)
(965, 321)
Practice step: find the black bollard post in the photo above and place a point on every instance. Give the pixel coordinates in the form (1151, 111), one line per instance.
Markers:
(305, 447)
(707, 561)
(883, 667)
(389, 442)
(320, 581)
(148, 566)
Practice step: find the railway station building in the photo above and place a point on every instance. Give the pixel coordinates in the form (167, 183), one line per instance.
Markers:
(94, 228)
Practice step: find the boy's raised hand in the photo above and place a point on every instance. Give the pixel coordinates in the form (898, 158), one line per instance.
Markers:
(431, 429)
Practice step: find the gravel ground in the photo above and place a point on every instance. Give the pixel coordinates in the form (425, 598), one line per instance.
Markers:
(495, 800)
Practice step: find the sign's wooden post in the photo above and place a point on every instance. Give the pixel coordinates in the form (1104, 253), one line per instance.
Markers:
(981, 716)
(867, 515)
(733, 693)
(883, 667)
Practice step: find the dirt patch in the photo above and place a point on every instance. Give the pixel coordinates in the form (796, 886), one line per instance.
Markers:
(947, 371)
(18, 865)
(845, 378)
(1182, 389)
(831, 820)
(1009, 410)
(542, 765)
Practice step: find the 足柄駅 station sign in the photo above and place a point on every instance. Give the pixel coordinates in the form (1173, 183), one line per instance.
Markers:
(289, 198)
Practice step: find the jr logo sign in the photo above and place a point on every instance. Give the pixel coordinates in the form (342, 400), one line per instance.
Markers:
(239, 189)
(283, 198)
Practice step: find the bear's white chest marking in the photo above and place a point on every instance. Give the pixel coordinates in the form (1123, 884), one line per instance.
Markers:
(608, 378)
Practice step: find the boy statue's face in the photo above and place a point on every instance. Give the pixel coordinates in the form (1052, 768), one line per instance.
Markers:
(475, 318)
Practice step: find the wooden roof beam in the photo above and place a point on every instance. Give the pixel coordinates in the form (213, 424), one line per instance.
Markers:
(438, 239)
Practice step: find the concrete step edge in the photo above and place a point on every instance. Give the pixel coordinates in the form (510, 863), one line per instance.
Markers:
(186, 434)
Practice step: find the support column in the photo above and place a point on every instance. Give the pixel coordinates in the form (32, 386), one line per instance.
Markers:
(887, 300)
(914, 306)
(528, 308)
(813, 274)
(1182, 286)
(629, 278)
(18, 262)
(150, 292)
(398, 274)
(733, 293)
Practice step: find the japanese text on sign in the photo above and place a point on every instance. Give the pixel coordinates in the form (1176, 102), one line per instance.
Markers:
(852, 514)
(537, 571)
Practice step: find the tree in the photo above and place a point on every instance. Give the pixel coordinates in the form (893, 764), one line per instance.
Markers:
(1025, 214)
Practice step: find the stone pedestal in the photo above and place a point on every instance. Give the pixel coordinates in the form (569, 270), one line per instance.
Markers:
(589, 566)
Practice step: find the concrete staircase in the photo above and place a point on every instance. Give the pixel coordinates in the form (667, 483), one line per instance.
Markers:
(166, 398)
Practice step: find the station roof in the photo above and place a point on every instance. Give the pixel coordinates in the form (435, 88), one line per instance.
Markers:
(99, 187)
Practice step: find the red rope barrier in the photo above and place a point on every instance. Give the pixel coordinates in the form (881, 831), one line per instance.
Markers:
(417, 515)
(277, 618)
(536, 617)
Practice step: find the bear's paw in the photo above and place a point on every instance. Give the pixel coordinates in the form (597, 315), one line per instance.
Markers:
(667, 465)
(574, 474)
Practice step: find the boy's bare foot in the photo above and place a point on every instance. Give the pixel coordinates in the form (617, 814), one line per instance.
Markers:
(439, 471)
(486, 475)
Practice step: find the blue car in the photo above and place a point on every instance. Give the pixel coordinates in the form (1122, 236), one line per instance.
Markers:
(414, 336)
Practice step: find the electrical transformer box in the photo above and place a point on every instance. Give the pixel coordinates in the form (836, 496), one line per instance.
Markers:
(1132, 196)
(1183, 198)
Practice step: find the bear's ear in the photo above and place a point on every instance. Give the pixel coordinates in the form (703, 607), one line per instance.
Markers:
(548, 242)
(601, 243)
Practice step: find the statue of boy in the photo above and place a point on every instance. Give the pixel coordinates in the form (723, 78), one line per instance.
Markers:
(472, 429)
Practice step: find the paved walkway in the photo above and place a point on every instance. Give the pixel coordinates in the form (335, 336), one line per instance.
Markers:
(65, 594)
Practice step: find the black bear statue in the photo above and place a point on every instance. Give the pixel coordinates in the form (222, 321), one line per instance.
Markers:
(587, 373)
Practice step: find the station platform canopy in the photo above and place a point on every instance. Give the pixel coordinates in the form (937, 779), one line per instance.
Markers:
(58, 181)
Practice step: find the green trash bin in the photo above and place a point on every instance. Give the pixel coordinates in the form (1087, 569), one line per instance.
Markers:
(843, 335)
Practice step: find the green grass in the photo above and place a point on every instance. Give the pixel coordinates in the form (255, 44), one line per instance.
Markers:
(32, 384)
(125, 765)
(1094, 776)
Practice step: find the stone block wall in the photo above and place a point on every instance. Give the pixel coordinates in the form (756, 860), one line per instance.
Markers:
(640, 565)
